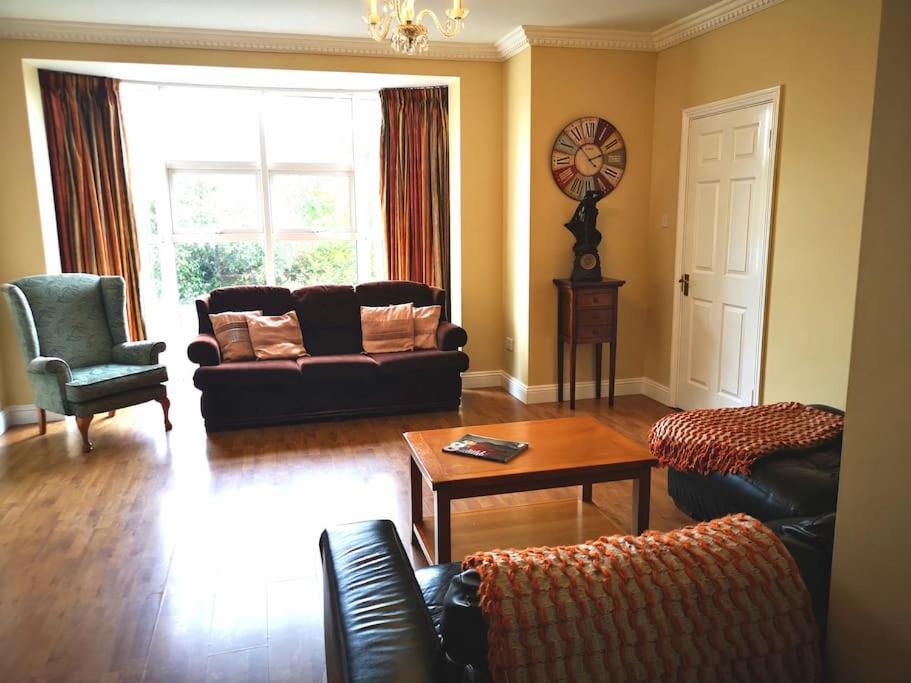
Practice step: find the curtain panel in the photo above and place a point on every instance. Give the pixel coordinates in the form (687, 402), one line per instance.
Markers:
(414, 158)
(96, 226)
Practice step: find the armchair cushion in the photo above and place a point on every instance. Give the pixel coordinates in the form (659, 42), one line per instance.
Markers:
(98, 381)
(70, 317)
(138, 352)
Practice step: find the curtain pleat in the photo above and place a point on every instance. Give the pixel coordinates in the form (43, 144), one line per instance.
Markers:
(414, 158)
(96, 227)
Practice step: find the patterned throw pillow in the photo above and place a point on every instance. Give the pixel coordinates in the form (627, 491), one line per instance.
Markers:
(426, 320)
(388, 328)
(276, 336)
(232, 335)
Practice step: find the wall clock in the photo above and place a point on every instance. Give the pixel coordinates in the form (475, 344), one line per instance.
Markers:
(589, 154)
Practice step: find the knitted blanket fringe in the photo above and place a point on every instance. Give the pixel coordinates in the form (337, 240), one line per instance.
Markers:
(718, 601)
(731, 440)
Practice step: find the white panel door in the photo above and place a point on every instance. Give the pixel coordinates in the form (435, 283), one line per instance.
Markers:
(724, 245)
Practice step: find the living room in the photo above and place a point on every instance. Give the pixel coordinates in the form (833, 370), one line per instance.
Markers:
(193, 552)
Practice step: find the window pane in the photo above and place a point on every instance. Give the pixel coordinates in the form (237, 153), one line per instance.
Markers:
(308, 129)
(317, 262)
(311, 202)
(204, 202)
(204, 266)
(210, 124)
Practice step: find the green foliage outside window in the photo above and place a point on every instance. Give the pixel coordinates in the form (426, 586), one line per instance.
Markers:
(204, 266)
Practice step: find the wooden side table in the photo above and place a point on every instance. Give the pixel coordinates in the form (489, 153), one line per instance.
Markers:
(587, 314)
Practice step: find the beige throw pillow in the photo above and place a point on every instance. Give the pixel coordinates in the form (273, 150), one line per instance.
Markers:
(232, 335)
(276, 336)
(426, 321)
(388, 328)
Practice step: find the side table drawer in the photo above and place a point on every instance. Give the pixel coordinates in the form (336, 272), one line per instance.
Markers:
(596, 316)
(595, 299)
(589, 334)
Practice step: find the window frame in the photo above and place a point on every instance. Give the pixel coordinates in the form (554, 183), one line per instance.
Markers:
(265, 171)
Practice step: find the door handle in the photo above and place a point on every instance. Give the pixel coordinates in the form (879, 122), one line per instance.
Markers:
(684, 283)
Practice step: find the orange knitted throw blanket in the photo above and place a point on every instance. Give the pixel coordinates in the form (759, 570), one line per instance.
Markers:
(719, 601)
(730, 440)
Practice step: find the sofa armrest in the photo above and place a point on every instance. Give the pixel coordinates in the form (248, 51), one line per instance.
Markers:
(47, 365)
(138, 352)
(204, 350)
(377, 626)
(450, 337)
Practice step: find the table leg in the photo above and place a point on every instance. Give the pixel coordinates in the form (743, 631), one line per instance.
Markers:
(587, 492)
(442, 527)
(560, 370)
(612, 377)
(598, 349)
(641, 496)
(417, 501)
(572, 375)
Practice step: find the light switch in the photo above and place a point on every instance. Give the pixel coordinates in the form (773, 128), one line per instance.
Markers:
(665, 221)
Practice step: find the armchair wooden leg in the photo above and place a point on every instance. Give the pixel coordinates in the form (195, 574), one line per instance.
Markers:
(165, 407)
(42, 422)
(111, 413)
(83, 424)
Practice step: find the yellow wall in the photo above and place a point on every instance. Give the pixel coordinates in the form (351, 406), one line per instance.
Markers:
(618, 86)
(517, 88)
(823, 54)
(870, 617)
(22, 253)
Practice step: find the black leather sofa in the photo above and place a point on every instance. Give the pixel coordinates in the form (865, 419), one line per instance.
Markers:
(786, 484)
(386, 622)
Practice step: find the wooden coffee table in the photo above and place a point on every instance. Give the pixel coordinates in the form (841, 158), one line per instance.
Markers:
(572, 451)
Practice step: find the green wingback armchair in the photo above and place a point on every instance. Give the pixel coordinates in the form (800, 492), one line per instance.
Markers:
(72, 332)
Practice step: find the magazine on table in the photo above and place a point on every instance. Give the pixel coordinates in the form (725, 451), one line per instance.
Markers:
(486, 448)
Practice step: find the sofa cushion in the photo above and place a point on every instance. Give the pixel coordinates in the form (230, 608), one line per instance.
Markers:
(98, 381)
(420, 361)
(232, 331)
(248, 373)
(426, 323)
(330, 318)
(269, 300)
(391, 292)
(347, 367)
(276, 336)
(386, 329)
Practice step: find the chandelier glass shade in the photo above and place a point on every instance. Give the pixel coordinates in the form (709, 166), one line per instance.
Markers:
(398, 21)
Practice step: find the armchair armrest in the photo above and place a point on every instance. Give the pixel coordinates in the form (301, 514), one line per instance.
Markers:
(47, 365)
(450, 337)
(204, 350)
(138, 352)
(377, 624)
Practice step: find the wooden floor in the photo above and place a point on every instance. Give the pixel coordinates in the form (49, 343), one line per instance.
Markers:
(183, 557)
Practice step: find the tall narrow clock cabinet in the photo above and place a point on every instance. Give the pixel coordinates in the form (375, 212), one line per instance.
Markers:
(587, 314)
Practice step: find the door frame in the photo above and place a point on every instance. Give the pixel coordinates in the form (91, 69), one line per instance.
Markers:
(767, 96)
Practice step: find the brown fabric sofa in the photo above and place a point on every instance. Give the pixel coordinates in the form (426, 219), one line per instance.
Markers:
(337, 379)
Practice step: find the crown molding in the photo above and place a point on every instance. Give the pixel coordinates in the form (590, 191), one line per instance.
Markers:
(588, 38)
(210, 39)
(708, 19)
(514, 42)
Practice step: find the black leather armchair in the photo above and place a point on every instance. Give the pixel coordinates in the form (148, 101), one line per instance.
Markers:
(386, 622)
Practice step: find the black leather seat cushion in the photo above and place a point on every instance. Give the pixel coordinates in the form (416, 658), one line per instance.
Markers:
(786, 484)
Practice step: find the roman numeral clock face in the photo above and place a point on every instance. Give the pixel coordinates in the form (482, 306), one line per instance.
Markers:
(589, 154)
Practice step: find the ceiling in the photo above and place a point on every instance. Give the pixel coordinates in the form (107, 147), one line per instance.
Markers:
(490, 20)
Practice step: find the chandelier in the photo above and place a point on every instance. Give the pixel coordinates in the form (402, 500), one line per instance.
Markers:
(408, 35)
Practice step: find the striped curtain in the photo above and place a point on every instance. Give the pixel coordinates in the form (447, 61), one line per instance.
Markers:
(414, 158)
(96, 227)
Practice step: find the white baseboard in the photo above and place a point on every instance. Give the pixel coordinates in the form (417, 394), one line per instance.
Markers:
(481, 379)
(12, 416)
(547, 393)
